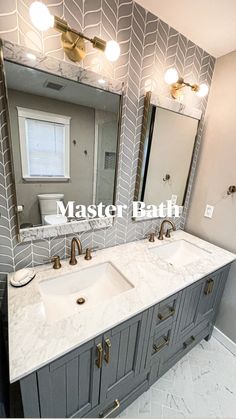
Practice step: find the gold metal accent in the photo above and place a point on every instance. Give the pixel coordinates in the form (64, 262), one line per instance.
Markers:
(74, 46)
(80, 300)
(158, 348)
(73, 41)
(209, 287)
(147, 104)
(163, 318)
(56, 262)
(175, 88)
(88, 255)
(167, 235)
(60, 25)
(100, 352)
(107, 356)
(99, 43)
(109, 412)
(161, 232)
(74, 242)
(151, 237)
(186, 344)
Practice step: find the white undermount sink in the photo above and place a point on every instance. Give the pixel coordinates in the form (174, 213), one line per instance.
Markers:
(89, 286)
(179, 253)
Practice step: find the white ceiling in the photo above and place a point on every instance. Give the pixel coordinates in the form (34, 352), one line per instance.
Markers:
(211, 24)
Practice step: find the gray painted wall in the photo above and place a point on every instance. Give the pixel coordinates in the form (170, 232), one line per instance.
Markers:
(215, 173)
(148, 47)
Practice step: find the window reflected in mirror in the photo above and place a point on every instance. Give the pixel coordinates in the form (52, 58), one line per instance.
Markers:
(167, 151)
(64, 137)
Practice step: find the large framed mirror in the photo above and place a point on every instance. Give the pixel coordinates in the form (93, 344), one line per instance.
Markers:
(64, 134)
(168, 138)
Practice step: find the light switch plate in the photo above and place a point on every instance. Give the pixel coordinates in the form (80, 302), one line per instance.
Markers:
(209, 211)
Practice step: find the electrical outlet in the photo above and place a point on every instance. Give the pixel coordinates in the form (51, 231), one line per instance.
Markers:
(209, 211)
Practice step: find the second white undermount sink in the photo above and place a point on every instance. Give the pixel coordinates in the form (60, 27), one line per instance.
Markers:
(69, 294)
(179, 253)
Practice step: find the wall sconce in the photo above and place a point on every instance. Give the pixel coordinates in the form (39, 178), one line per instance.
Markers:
(73, 42)
(177, 83)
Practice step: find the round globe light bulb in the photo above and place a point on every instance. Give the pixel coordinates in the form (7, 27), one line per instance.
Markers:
(203, 90)
(112, 51)
(40, 16)
(171, 76)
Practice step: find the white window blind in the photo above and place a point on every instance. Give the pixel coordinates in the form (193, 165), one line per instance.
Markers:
(44, 142)
(46, 148)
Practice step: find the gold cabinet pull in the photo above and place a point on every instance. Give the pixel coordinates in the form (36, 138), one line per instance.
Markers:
(165, 342)
(107, 413)
(99, 352)
(107, 356)
(171, 313)
(209, 287)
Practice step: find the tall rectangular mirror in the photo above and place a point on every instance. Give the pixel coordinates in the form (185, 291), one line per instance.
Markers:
(165, 156)
(64, 138)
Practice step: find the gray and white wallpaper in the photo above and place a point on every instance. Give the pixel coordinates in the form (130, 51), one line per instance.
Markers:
(148, 47)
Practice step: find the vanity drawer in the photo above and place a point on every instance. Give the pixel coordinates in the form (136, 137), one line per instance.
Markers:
(159, 343)
(114, 406)
(166, 312)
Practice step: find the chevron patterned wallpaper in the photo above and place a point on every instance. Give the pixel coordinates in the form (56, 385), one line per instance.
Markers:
(148, 47)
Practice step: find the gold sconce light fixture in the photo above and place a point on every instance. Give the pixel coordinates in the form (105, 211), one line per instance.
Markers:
(177, 84)
(73, 42)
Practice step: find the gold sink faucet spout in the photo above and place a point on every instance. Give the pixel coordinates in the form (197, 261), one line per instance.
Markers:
(75, 242)
(161, 232)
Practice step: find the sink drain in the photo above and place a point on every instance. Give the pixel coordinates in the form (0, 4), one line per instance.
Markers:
(80, 301)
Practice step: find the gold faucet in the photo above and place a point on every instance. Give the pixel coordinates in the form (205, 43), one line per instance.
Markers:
(75, 241)
(161, 232)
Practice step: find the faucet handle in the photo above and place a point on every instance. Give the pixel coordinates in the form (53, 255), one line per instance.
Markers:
(56, 262)
(88, 252)
(151, 237)
(167, 235)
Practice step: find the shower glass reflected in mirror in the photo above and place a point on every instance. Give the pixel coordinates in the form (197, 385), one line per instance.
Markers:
(64, 138)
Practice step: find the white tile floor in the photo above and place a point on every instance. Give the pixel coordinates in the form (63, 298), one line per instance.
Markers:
(201, 385)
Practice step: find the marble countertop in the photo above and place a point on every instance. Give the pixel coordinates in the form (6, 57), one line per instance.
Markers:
(34, 341)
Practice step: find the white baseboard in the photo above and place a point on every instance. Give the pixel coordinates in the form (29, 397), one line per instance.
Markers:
(224, 340)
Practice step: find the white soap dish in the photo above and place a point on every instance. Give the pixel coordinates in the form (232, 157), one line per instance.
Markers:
(22, 277)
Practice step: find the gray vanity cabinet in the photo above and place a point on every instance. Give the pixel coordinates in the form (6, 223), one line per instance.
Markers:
(65, 387)
(123, 349)
(211, 293)
(103, 376)
(200, 301)
(96, 373)
(198, 305)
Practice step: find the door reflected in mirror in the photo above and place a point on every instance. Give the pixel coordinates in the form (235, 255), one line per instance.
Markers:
(167, 155)
(64, 138)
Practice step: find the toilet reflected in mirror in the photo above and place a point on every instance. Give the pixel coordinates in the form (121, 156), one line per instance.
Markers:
(48, 209)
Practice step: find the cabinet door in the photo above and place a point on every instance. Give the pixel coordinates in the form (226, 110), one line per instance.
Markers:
(211, 292)
(189, 305)
(123, 347)
(70, 385)
(200, 302)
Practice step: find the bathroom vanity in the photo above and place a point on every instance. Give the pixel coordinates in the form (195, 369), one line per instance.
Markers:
(153, 302)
